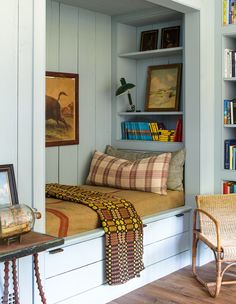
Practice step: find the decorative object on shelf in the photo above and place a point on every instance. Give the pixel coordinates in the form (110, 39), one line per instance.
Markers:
(170, 37)
(15, 221)
(163, 87)
(123, 89)
(61, 109)
(149, 40)
(8, 191)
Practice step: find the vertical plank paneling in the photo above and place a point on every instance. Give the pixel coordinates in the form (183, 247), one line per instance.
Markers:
(68, 63)
(87, 102)
(25, 101)
(8, 85)
(52, 64)
(126, 42)
(103, 85)
(79, 41)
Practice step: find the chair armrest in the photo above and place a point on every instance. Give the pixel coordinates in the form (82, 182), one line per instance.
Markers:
(217, 225)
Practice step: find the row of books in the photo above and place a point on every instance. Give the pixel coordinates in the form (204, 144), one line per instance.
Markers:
(229, 12)
(229, 111)
(229, 187)
(229, 63)
(152, 131)
(230, 154)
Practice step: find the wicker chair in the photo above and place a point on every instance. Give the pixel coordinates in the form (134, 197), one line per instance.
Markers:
(217, 220)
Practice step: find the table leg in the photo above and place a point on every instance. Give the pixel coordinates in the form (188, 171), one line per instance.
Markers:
(6, 283)
(38, 279)
(15, 282)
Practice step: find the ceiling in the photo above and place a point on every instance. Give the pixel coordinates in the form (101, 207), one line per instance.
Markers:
(112, 7)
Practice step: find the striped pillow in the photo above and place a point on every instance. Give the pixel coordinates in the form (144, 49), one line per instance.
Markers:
(149, 174)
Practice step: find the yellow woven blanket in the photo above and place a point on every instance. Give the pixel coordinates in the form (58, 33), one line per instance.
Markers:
(122, 226)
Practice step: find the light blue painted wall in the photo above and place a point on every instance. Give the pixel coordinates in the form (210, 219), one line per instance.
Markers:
(79, 41)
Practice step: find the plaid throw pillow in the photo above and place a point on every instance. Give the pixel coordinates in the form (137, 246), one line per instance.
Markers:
(149, 174)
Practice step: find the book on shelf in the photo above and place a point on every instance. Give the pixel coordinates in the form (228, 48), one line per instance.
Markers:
(229, 111)
(151, 131)
(230, 154)
(229, 12)
(229, 187)
(229, 63)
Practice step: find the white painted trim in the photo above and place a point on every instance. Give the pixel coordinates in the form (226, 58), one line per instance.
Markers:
(39, 110)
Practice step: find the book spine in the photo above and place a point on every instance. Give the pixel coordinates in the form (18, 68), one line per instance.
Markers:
(230, 157)
(233, 63)
(224, 12)
(234, 111)
(225, 111)
(226, 154)
(232, 11)
(231, 113)
(225, 188)
(229, 12)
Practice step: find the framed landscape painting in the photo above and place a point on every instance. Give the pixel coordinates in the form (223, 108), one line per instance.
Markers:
(163, 87)
(61, 109)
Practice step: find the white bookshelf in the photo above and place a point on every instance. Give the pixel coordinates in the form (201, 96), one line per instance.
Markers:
(153, 53)
(133, 65)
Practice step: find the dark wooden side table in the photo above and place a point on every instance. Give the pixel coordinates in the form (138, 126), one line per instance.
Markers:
(31, 244)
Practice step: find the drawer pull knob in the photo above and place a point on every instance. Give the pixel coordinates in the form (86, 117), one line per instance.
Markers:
(55, 251)
(180, 215)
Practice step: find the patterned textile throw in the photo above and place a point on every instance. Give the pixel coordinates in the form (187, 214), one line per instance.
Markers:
(122, 226)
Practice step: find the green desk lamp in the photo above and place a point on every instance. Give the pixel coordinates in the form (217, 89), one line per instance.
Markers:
(124, 88)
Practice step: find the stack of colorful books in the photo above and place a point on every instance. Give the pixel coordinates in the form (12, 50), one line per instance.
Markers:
(229, 12)
(229, 187)
(230, 154)
(229, 111)
(152, 131)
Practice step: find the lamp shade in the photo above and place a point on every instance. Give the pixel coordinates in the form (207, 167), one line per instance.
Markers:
(124, 87)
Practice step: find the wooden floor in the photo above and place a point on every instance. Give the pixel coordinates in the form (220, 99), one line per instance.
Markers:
(180, 287)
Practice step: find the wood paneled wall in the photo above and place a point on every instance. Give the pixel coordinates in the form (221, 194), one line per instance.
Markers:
(79, 41)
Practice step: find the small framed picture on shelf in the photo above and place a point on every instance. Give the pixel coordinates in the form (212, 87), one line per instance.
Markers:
(8, 191)
(148, 40)
(163, 87)
(170, 37)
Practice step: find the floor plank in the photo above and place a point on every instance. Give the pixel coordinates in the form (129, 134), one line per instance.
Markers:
(181, 288)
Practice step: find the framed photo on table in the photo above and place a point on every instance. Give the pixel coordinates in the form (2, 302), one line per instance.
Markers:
(163, 87)
(148, 40)
(8, 190)
(170, 37)
(61, 109)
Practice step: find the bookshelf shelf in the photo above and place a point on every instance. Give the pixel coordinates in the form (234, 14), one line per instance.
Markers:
(149, 113)
(229, 79)
(153, 53)
(230, 126)
(229, 30)
(148, 145)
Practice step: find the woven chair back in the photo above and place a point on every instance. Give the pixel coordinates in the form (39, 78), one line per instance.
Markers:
(223, 209)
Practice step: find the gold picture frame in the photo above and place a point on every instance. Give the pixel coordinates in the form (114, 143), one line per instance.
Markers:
(163, 87)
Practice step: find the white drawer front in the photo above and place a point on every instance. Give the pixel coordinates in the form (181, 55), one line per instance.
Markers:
(166, 248)
(74, 282)
(74, 256)
(165, 228)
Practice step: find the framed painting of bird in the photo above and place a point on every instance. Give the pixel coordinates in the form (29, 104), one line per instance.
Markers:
(61, 109)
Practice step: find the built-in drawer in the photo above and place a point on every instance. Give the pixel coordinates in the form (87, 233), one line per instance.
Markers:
(67, 258)
(165, 228)
(164, 249)
(74, 282)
